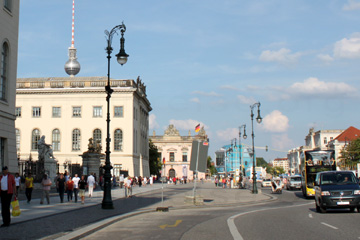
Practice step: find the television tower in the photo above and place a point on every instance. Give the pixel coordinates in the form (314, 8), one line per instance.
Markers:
(72, 66)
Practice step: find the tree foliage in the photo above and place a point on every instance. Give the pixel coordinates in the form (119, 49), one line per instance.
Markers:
(211, 166)
(154, 159)
(275, 171)
(260, 162)
(350, 155)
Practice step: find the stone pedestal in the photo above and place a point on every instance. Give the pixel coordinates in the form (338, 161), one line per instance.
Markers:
(91, 163)
(50, 169)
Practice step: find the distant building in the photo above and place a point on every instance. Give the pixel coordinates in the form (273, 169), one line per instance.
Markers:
(176, 151)
(69, 111)
(228, 160)
(9, 34)
(283, 163)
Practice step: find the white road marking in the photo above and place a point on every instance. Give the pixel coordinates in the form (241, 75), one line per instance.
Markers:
(310, 215)
(231, 220)
(328, 225)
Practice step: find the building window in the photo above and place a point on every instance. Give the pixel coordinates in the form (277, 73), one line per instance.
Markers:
(56, 112)
(172, 157)
(118, 140)
(97, 112)
(18, 111)
(119, 111)
(7, 4)
(325, 140)
(36, 112)
(35, 137)
(76, 112)
(17, 137)
(56, 140)
(331, 138)
(76, 137)
(4, 67)
(184, 157)
(97, 136)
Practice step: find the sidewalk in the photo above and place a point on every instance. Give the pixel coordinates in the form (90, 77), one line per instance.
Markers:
(69, 219)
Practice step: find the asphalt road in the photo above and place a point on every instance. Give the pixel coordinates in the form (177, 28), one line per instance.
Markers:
(289, 217)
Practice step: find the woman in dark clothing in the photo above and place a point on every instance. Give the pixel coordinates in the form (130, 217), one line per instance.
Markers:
(82, 187)
(60, 185)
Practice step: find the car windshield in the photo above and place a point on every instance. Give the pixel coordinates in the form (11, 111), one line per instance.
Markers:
(298, 179)
(338, 178)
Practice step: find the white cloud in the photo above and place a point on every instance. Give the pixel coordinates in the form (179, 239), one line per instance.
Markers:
(227, 134)
(230, 87)
(325, 58)
(351, 5)
(348, 47)
(312, 86)
(195, 100)
(188, 124)
(283, 56)
(207, 94)
(246, 100)
(152, 122)
(275, 122)
(281, 141)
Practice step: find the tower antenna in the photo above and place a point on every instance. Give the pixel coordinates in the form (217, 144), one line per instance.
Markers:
(72, 66)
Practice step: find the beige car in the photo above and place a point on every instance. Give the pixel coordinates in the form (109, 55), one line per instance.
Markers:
(266, 183)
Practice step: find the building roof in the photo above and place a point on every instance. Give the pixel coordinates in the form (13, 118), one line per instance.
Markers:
(349, 134)
(280, 159)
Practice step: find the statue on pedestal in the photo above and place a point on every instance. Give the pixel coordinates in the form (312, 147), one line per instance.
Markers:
(44, 150)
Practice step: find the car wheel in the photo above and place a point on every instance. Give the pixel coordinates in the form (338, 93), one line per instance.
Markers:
(352, 209)
(317, 207)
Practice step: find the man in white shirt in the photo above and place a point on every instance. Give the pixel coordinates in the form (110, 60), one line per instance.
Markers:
(91, 184)
(76, 180)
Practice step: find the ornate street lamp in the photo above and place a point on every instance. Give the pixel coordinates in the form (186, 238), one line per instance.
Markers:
(258, 120)
(122, 59)
(242, 170)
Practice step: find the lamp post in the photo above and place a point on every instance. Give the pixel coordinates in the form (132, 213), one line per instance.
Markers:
(122, 59)
(258, 119)
(244, 136)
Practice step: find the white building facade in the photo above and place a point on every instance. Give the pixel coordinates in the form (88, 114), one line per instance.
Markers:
(9, 32)
(69, 111)
(282, 163)
(176, 151)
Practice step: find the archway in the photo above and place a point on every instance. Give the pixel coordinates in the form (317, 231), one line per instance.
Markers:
(172, 173)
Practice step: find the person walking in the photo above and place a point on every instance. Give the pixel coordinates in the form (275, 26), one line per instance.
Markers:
(17, 183)
(8, 188)
(121, 180)
(76, 180)
(91, 184)
(69, 189)
(60, 185)
(126, 186)
(114, 181)
(129, 184)
(82, 187)
(46, 185)
(29, 184)
(140, 181)
(151, 180)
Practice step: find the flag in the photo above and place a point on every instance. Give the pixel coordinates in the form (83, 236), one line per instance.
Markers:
(197, 128)
(206, 143)
(163, 160)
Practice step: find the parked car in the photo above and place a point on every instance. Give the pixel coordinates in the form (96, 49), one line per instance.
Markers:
(266, 183)
(293, 182)
(336, 189)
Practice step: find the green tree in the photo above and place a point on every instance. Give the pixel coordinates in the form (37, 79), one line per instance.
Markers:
(260, 162)
(154, 159)
(211, 166)
(350, 154)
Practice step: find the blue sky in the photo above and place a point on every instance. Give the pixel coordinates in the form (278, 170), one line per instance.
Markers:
(207, 61)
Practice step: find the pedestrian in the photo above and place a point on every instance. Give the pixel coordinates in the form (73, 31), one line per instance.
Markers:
(29, 184)
(69, 189)
(91, 185)
(101, 181)
(46, 185)
(126, 186)
(76, 180)
(129, 184)
(145, 181)
(17, 183)
(151, 180)
(216, 182)
(114, 181)
(60, 186)
(8, 188)
(66, 175)
(121, 180)
(140, 181)
(82, 187)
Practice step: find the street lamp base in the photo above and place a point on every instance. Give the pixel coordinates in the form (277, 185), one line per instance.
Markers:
(107, 205)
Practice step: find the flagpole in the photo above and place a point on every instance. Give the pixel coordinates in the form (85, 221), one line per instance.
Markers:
(195, 178)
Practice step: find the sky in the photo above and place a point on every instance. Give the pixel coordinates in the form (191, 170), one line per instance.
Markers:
(207, 61)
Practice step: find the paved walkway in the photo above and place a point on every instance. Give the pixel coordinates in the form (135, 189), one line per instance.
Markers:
(70, 220)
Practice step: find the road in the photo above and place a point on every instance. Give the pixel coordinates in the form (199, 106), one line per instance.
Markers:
(289, 217)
